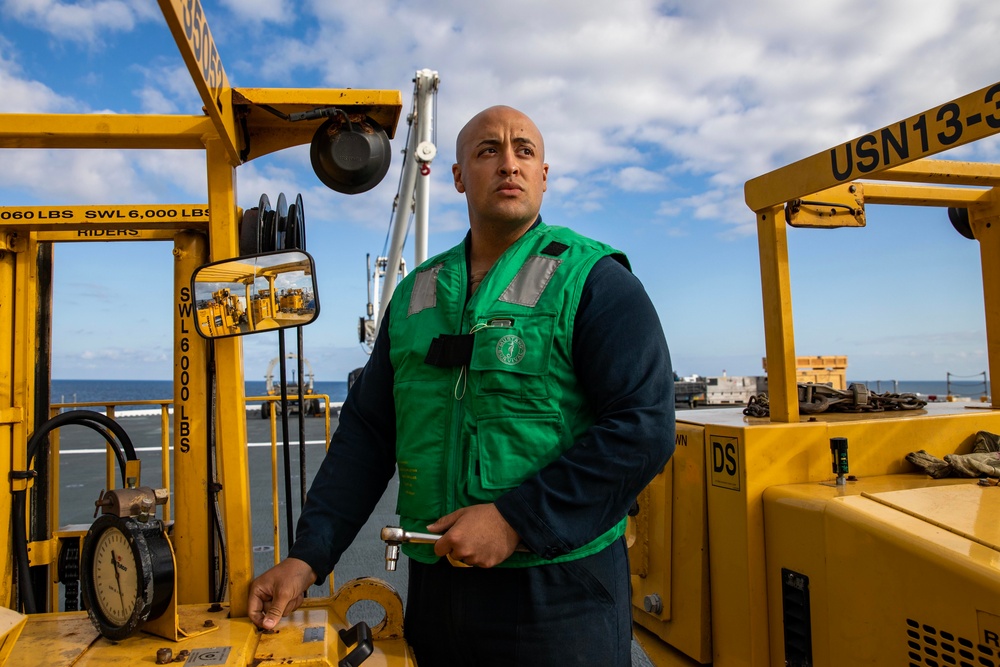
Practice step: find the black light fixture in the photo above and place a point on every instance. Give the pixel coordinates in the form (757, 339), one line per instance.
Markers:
(350, 156)
(959, 218)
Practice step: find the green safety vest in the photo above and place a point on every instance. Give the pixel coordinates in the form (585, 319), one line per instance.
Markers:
(485, 390)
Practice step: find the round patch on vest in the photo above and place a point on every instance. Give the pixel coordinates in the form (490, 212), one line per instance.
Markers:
(510, 350)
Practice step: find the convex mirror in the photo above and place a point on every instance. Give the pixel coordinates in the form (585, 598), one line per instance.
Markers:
(264, 292)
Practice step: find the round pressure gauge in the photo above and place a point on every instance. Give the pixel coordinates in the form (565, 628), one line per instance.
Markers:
(127, 571)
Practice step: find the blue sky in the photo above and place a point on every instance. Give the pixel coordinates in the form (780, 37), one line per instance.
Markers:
(654, 115)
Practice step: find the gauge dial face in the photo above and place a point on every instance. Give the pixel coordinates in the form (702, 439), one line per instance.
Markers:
(115, 576)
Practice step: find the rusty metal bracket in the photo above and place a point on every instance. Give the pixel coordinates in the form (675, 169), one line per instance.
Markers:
(380, 592)
(840, 206)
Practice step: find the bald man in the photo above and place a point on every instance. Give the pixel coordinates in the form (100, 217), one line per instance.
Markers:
(522, 386)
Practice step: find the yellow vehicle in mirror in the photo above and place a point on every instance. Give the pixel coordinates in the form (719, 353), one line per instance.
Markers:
(239, 296)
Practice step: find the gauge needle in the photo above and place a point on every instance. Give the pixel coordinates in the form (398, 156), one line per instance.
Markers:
(118, 578)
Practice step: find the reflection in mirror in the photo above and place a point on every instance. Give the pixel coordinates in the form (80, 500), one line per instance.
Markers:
(238, 296)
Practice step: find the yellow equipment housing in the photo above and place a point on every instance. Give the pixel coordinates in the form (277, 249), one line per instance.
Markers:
(218, 319)
(291, 301)
(240, 125)
(222, 315)
(260, 306)
(747, 552)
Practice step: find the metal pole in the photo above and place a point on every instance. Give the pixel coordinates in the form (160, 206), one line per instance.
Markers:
(286, 453)
(427, 85)
(302, 421)
(404, 204)
(419, 153)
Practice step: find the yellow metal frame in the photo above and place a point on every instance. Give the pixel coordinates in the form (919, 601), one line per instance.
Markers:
(785, 451)
(896, 153)
(760, 495)
(240, 125)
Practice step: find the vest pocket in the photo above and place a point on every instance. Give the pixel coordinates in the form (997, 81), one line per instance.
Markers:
(512, 448)
(514, 360)
(421, 456)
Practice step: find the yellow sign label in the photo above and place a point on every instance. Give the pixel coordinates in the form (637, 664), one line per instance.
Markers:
(133, 212)
(189, 27)
(91, 219)
(725, 461)
(989, 629)
(950, 125)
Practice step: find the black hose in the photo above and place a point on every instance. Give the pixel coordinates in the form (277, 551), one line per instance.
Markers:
(124, 451)
(218, 568)
(26, 595)
(287, 457)
(220, 592)
(302, 420)
(121, 444)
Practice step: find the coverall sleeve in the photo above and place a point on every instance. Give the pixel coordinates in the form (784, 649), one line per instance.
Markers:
(621, 360)
(357, 468)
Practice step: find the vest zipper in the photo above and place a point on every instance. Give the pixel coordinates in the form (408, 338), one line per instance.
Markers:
(457, 414)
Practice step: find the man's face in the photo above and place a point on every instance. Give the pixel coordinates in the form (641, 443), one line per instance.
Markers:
(501, 168)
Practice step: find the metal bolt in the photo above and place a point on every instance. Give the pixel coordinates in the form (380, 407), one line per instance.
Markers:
(653, 604)
(391, 556)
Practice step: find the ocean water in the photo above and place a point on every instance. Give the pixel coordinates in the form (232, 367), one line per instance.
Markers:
(81, 391)
(964, 388)
(85, 391)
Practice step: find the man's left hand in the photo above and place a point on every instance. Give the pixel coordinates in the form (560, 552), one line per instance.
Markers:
(477, 535)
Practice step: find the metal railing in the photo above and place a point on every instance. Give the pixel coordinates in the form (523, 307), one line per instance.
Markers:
(165, 408)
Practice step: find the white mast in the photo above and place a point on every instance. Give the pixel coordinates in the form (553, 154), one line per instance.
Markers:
(413, 196)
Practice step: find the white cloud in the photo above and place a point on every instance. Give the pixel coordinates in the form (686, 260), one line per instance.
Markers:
(167, 172)
(21, 95)
(686, 99)
(168, 90)
(74, 177)
(727, 89)
(563, 184)
(722, 88)
(78, 177)
(639, 179)
(131, 355)
(262, 11)
(86, 21)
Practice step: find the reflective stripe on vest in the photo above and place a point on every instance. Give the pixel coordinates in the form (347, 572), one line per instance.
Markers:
(424, 290)
(527, 286)
(524, 290)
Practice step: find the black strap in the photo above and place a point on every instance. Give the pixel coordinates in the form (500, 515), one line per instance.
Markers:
(447, 351)
(555, 249)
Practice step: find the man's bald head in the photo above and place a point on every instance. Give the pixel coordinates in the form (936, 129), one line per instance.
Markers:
(500, 168)
(494, 114)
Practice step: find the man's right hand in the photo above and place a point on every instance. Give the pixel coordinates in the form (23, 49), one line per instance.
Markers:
(279, 591)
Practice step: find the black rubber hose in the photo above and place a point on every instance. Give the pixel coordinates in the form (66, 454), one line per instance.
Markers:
(124, 451)
(287, 459)
(20, 534)
(121, 443)
(218, 566)
(220, 593)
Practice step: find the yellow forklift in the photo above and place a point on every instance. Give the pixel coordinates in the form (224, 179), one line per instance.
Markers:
(805, 538)
(148, 567)
(795, 538)
(222, 314)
